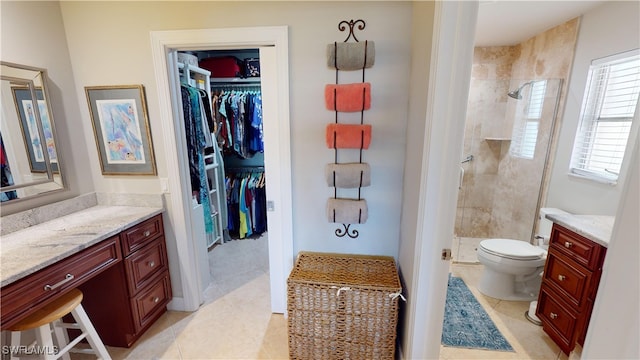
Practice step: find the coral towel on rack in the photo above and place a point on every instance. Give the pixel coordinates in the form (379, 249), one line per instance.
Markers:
(346, 136)
(351, 56)
(348, 176)
(348, 97)
(347, 211)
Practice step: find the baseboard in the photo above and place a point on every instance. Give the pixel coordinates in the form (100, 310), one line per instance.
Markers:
(176, 304)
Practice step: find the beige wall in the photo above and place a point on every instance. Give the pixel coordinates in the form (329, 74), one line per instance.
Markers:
(109, 44)
(45, 46)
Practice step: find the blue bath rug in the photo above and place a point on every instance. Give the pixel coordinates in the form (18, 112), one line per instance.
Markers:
(466, 324)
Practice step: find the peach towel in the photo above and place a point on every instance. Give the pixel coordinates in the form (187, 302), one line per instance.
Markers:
(346, 136)
(348, 97)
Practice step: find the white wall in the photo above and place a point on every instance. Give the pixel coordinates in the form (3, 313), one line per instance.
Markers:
(421, 38)
(45, 46)
(621, 275)
(608, 29)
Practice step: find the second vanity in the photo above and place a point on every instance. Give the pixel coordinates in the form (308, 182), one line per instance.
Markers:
(116, 255)
(571, 276)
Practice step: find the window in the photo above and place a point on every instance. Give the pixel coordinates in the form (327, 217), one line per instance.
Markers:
(608, 107)
(525, 130)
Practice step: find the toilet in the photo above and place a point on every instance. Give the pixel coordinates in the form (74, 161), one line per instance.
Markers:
(512, 268)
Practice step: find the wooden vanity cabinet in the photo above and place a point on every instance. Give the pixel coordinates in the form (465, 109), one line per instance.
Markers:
(569, 285)
(124, 301)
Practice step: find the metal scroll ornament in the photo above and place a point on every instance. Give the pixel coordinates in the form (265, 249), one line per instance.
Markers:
(342, 232)
(342, 26)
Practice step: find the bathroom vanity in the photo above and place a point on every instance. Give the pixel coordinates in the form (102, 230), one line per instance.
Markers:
(577, 249)
(116, 255)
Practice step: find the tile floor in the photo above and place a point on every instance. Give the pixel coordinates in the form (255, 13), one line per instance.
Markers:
(235, 320)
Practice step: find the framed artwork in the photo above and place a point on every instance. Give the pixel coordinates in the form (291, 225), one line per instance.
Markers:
(121, 128)
(33, 142)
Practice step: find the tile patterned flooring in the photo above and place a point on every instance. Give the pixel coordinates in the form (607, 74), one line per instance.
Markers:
(235, 321)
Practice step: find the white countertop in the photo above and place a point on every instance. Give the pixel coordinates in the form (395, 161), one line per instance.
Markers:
(28, 250)
(596, 228)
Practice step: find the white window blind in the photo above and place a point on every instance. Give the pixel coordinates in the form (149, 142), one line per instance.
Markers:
(525, 129)
(608, 108)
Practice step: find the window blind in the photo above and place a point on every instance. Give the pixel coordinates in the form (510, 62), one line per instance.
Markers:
(608, 107)
(525, 129)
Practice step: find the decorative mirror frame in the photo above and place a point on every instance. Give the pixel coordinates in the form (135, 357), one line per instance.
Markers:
(23, 82)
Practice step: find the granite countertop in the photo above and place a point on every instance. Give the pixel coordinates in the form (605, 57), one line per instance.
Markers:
(28, 250)
(596, 228)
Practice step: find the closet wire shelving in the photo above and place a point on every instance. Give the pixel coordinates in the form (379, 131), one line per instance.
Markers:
(200, 78)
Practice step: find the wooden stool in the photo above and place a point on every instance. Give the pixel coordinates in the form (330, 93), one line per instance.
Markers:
(51, 315)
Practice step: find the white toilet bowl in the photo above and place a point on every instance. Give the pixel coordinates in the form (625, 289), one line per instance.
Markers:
(512, 269)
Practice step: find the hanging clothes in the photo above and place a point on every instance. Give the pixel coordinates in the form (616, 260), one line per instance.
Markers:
(239, 115)
(196, 127)
(5, 175)
(246, 203)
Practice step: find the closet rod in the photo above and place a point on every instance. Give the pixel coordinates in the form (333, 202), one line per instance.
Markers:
(245, 168)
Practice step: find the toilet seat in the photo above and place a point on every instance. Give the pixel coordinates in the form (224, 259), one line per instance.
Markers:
(512, 249)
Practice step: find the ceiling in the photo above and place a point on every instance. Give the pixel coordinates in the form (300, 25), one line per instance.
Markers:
(510, 22)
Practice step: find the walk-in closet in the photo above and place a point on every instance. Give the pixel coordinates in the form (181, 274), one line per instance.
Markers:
(222, 112)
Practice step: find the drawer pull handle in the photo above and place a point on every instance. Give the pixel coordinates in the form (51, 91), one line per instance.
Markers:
(146, 233)
(67, 278)
(553, 315)
(156, 299)
(561, 277)
(568, 244)
(152, 264)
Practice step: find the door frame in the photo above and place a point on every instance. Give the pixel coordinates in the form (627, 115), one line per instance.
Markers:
(448, 90)
(164, 45)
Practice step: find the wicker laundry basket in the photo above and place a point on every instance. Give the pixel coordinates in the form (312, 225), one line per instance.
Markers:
(342, 306)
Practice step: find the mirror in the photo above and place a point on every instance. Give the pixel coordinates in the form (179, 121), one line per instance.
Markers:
(29, 163)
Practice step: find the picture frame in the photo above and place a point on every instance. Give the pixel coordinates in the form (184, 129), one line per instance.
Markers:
(121, 128)
(30, 135)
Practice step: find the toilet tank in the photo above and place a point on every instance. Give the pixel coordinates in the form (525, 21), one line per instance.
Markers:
(544, 225)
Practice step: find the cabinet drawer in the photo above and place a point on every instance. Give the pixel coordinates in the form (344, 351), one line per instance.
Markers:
(143, 265)
(579, 248)
(141, 234)
(20, 298)
(570, 280)
(151, 301)
(557, 320)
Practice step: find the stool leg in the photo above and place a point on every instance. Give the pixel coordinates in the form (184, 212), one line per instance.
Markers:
(61, 337)
(45, 341)
(92, 336)
(15, 343)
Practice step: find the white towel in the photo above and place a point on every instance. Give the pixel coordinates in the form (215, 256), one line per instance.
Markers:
(347, 211)
(348, 176)
(351, 56)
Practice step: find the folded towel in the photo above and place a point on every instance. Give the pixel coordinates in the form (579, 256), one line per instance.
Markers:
(348, 176)
(351, 56)
(348, 97)
(347, 211)
(346, 136)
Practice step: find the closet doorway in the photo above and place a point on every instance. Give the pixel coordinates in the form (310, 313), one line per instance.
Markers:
(271, 43)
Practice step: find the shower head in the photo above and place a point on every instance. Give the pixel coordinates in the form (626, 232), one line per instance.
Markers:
(516, 93)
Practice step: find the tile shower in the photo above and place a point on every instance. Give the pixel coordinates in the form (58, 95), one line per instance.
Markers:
(509, 140)
(503, 185)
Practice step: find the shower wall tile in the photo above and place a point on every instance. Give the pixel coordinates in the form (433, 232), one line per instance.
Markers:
(500, 192)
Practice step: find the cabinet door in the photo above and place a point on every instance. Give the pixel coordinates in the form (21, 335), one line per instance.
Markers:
(558, 320)
(568, 278)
